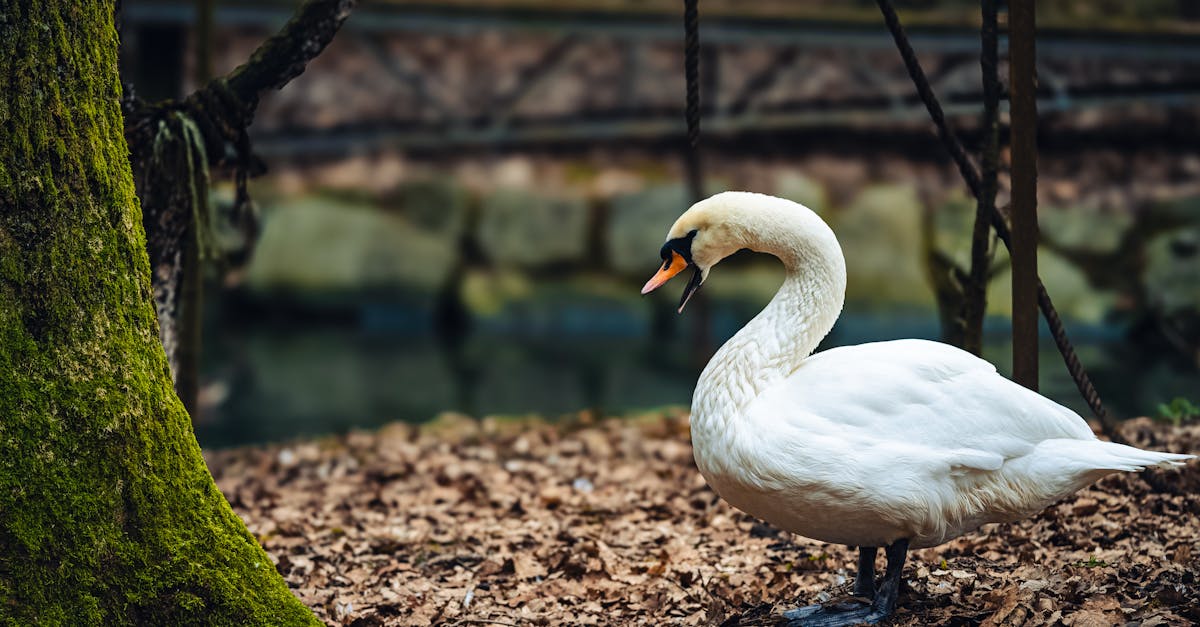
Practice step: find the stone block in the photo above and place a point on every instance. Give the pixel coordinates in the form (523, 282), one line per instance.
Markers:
(880, 234)
(436, 205)
(805, 190)
(518, 228)
(637, 227)
(321, 245)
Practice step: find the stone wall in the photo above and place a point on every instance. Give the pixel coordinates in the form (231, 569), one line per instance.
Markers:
(520, 237)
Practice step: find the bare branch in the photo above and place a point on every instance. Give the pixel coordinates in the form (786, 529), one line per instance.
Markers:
(164, 156)
(285, 55)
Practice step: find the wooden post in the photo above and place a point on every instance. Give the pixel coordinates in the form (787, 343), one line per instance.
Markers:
(1023, 101)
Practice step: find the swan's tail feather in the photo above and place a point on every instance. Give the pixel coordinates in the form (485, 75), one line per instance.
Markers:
(1100, 455)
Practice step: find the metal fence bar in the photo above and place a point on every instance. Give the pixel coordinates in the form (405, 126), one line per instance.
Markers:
(727, 29)
(1023, 106)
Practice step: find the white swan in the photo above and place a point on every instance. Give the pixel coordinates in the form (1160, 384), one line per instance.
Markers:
(901, 444)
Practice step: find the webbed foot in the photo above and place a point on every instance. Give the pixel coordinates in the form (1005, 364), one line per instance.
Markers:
(835, 615)
(843, 614)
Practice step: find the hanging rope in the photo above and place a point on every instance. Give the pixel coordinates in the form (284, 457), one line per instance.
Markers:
(974, 304)
(965, 167)
(971, 176)
(1082, 381)
(691, 68)
(691, 71)
(693, 168)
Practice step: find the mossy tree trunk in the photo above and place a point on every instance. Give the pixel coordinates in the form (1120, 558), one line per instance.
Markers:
(108, 514)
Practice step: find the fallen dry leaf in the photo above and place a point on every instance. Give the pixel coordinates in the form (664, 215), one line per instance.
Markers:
(467, 522)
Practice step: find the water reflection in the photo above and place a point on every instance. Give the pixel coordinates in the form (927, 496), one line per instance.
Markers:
(268, 381)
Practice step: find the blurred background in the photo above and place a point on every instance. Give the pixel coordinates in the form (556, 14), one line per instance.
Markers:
(462, 198)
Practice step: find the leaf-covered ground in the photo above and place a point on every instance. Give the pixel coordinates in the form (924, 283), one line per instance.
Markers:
(609, 523)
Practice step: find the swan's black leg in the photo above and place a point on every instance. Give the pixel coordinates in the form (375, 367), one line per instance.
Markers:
(844, 614)
(889, 590)
(864, 582)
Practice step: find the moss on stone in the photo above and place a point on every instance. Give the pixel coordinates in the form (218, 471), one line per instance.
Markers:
(108, 515)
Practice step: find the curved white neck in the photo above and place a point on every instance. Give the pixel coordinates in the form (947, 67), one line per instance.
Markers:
(772, 345)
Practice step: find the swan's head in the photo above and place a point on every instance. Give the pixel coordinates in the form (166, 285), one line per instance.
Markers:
(721, 225)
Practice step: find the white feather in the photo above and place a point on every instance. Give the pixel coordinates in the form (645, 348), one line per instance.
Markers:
(864, 445)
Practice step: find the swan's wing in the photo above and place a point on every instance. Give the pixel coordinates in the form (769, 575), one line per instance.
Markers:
(916, 435)
(915, 394)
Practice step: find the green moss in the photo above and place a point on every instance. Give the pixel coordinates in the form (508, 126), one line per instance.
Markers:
(108, 515)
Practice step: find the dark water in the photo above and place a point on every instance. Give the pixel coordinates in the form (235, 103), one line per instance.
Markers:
(271, 381)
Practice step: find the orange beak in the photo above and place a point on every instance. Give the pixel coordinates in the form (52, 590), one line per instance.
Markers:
(670, 268)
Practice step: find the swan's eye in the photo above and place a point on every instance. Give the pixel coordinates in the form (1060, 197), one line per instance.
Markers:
(677, 255)
(679, 245)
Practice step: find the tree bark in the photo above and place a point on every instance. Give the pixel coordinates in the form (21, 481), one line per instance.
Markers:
(108, 514)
